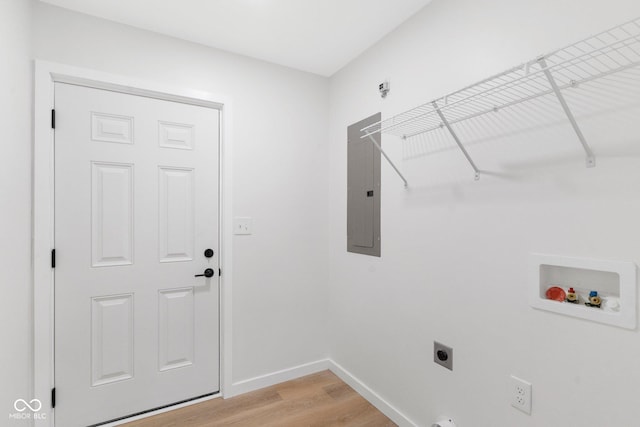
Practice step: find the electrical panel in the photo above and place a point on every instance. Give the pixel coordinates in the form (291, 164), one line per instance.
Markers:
(363, 189)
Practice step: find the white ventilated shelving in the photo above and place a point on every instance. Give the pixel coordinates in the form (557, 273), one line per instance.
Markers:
(603, 54)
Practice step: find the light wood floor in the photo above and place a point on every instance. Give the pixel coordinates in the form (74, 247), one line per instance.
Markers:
(317, 400)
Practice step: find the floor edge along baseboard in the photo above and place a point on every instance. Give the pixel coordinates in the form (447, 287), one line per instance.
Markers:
(371, 396)
(365, 391)
(262, 381)
(271, 379)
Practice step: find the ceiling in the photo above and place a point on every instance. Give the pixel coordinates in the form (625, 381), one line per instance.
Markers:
(318, 36)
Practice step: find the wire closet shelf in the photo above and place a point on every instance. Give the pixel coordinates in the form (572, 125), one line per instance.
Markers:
(603, 54)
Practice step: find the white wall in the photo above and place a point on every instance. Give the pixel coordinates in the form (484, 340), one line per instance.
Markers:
(15, 196)
(279, 287)
(455, 251)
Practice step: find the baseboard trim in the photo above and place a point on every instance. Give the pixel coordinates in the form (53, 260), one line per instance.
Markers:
(274, 378)
(293, 373)
(374, 398)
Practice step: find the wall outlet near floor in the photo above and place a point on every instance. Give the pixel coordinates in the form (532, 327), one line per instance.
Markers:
(242, 225)
(521, 394)
(443, 355)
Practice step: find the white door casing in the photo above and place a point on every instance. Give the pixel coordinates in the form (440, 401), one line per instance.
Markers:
(136, 205)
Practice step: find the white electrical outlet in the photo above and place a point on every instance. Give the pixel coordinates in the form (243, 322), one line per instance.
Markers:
(521, 394)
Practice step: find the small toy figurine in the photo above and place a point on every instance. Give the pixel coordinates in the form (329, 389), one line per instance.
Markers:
(572, 297)
(594, 300)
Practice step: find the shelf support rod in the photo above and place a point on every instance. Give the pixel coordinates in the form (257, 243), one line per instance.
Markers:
(375, 143)
(445, 122)
(591, 160)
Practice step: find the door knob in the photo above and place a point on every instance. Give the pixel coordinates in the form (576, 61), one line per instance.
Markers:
(207, 273)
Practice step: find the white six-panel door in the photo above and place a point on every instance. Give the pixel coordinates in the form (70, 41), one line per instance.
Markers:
(136, 207)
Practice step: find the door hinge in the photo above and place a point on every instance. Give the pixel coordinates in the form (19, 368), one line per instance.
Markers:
(53, 397)
(53, 119)
(53, 258)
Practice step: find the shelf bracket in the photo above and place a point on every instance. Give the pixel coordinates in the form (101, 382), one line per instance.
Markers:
(445, 122)
(591, 160)
(375, 143)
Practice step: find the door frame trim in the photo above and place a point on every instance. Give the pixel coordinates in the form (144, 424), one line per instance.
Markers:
(46, 75)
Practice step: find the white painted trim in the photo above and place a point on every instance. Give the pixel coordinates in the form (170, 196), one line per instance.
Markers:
(181, 96)
(226, 241)
(374, 398)
(43, 242)
(278, 377)
(46, 74)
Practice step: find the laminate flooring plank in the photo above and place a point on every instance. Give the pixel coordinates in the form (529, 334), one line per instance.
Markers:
(341, 414)
(317, 400)
(218, 409)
